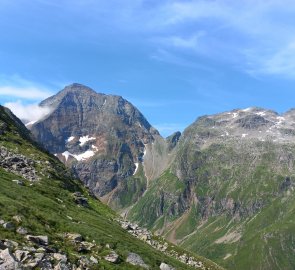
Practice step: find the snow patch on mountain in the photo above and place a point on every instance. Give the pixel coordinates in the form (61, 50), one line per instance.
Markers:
(136, 167)
(85, 139)
(70, 139)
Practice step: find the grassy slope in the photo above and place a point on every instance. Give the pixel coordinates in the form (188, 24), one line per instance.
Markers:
(48, 208)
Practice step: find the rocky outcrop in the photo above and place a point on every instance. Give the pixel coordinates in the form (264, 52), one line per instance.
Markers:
(18, 164)
(161, 245)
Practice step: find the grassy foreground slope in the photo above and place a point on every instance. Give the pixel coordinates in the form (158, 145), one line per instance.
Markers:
(47, 207)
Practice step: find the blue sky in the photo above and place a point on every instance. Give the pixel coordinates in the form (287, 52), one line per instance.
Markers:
(174, 60)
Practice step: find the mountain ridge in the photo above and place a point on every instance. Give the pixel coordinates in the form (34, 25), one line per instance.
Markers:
(205, 189)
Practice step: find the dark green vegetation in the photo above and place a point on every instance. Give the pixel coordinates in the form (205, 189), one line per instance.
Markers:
(47, 206)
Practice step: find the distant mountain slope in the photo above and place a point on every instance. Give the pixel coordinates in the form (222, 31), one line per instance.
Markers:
(48, 220)
(229, 192)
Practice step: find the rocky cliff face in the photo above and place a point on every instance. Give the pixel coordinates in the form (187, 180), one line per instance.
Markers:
(102, 137)
(229, 189)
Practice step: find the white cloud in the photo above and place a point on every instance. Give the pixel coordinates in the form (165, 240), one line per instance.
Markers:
(253, 36)
(280, 63)
(24, 92)
(15, 86)
(189, 42)
(27, 112)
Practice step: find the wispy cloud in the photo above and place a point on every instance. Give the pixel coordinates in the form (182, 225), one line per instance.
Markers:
(232, 30)
(27, 112)
(182, 42)
(17, 87)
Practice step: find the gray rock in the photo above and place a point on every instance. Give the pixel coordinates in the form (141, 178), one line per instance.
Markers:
(10, 244)
(86, 246)
(113, 257)
(8, 226)
(34, 262)
(60, 257)
(21, 255)
(74, 237)
(94, 260)
(135, 259)
(62, 265)
(80, 200)
(84, 262)
(18, 182)
(8, 261)
(22, 230)
(40, 239)
(18, 164)
(165, 266)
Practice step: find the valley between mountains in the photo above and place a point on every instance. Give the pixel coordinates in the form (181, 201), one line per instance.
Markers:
(223, 189)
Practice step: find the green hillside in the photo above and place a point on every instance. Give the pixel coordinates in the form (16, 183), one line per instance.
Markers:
(57, 206)
(229, 200)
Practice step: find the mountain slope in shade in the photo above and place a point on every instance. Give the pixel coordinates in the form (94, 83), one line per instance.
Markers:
(229, 191)
(102, 137)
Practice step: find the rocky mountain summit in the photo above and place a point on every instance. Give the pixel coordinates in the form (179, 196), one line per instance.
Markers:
(250, 123)
(101, 137)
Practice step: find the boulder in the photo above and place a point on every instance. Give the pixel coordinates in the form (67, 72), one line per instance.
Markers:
(21, 230)
(8, 261)
(62, 266)
(165, 266)
(40, 239)
(10, 244)
(60, 257)
(85, 246)
(34, 262)
(74, 237)
(18, 182)
(135, 259)
(8, 226)
(21, 255)
(94, 260)
(113, 257)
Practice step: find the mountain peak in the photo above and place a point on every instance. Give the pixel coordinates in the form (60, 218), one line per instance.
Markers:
(77, 87)
(74, 88)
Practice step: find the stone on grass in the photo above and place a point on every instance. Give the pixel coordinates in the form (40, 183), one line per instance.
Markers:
(8, 226)
(8, 261)
(135, 259)
(39, 239)
(113, 257)
(21, 230)
(165, 266)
